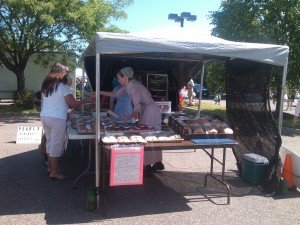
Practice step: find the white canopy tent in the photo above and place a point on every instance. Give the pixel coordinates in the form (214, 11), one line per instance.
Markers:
(186, 45)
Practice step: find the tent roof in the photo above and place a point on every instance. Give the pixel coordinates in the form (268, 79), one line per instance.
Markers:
(184, 41)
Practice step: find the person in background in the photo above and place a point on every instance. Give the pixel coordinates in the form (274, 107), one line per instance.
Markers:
(145, 111)
(291, 97)
(57, 98)
(121, 105)
(218, 96)
(190, 89)
(297, 113)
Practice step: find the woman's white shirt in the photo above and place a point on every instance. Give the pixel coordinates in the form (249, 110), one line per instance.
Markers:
(55, 104)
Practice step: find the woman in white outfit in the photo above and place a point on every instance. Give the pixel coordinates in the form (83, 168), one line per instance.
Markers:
(145, 110)
(57, 98)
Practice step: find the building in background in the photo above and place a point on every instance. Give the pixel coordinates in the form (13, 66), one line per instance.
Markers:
(34, 75)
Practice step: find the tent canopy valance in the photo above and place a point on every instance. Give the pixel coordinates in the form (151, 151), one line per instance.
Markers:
(179, 42)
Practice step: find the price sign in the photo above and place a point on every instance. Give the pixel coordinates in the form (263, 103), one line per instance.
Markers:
(126, 165)
(165, 107)
(29, 134)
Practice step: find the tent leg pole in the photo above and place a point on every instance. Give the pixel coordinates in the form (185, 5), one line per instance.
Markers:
(97, 138)
(281, 100)
(200, 93)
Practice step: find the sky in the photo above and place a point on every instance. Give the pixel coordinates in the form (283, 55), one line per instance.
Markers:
(153, 14)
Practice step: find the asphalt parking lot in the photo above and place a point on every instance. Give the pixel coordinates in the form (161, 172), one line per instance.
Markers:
(174, 196)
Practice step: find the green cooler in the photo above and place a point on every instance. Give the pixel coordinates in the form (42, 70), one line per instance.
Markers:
(254, 168)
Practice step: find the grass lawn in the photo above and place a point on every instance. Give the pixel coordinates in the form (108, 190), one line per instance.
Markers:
(212, 109)
(207, 109)
(9, 110)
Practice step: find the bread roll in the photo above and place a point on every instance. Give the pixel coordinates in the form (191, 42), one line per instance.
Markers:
(212, 131)
(151, 138)
(198, 130)
(216, 124)
(228, 131)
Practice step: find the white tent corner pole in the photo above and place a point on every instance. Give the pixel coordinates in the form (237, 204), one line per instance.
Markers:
(97, 138)
(200, 93)
(82, 90)
(282, 98)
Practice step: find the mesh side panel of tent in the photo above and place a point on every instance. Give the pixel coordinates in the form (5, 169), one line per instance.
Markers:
(249, 114)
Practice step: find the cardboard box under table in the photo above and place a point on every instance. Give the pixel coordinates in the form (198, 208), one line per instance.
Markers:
(254, 168)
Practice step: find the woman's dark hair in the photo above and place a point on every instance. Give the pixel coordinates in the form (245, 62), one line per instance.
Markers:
(58, 74)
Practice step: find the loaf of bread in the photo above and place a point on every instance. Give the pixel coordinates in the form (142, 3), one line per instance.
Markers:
(228, 131)
(151, 138)
(212, 131)
(197, 129)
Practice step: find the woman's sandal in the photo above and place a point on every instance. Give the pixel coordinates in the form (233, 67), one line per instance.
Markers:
(58, 177)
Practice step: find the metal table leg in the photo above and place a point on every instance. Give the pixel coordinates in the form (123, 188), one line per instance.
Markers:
(211, 174)
(88, 167)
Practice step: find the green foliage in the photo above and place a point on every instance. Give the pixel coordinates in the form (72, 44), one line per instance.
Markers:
(216, 76)
(207, 109)
(24, 99)
(36, 26)
(263, 21)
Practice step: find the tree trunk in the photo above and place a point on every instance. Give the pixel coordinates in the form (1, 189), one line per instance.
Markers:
(20, 81)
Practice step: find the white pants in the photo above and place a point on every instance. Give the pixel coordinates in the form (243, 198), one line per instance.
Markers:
(55, 130)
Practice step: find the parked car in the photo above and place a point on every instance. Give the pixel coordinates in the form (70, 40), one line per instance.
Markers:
(205, 92)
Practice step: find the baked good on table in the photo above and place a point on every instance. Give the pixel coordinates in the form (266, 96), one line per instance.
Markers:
(197, 129)
(137, 138)
(206, 125)
(163, 138)
(212, 131)
(175, 137)
(228, 130)
(123, 139)
(216, 123)
(151, 138)
(109, 139)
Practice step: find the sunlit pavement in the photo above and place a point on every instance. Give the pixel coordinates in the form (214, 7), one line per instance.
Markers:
(174, 196)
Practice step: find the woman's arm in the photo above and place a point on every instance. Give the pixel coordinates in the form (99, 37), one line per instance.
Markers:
(133, 115)
(73, 103)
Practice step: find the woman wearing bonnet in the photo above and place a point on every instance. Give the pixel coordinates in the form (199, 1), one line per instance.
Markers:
(145, 110)
(57, 98)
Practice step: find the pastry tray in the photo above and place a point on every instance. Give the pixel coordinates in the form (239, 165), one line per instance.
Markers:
(115, 140)
(141, 139)
(82, 130)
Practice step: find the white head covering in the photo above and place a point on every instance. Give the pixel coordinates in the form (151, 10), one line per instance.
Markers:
(127, 72)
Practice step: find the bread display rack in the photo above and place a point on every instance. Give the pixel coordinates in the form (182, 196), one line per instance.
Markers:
(205, 127)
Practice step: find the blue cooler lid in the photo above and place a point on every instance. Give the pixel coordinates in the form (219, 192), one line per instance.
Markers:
(255, 158)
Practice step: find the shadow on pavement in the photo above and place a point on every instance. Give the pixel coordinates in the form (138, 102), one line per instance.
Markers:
(25, 188)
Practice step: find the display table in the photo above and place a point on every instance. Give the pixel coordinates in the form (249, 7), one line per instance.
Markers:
(207, 145)
(204, 144)
(73, 135)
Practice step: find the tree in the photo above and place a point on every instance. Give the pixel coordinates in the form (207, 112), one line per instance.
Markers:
(28, 27)
(263, 21)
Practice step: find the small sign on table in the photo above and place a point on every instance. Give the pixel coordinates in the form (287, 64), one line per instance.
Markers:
(29, 134)
(165, 107)
(126, 165)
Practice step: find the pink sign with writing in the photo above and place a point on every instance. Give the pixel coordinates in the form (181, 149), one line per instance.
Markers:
(126, 165)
